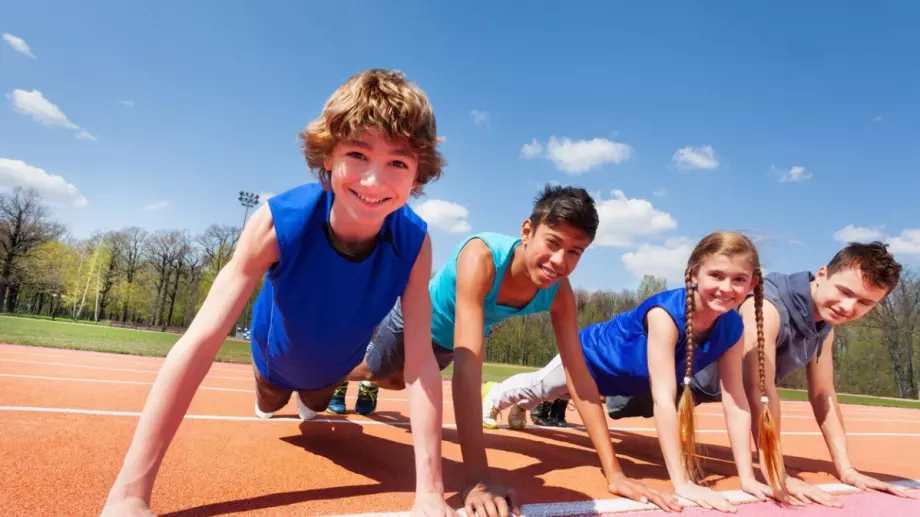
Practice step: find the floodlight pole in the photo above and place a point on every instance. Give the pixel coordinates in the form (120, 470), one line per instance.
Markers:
(248, 200)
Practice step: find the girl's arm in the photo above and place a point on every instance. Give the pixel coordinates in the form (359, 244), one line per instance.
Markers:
(738, 419)
(587, 401)
(662, 341)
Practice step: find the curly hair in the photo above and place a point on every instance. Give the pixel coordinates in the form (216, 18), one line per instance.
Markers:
(382, 100)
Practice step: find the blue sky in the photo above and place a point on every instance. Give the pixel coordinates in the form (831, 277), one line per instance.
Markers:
(796, 123)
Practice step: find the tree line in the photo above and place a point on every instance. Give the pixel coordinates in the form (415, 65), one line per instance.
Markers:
(158, 280)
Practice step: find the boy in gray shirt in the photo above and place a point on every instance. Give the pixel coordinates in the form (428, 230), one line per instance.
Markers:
(800, 311)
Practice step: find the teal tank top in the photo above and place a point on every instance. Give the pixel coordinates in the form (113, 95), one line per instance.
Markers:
(443, 289)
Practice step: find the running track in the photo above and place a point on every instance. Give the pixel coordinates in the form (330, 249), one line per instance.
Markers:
(67, 417)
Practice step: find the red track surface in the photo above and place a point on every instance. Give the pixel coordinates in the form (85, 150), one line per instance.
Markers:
(229, 463)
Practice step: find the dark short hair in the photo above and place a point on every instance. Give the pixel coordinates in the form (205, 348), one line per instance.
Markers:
(873, 260)
(557, 204)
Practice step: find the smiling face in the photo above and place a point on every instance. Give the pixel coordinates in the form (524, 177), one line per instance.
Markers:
(723, 281)
(844, 296)
(552, 252)
(371, 177)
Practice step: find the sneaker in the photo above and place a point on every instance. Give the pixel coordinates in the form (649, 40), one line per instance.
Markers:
(517, 417)
(367, 398)
(557, 411)
(303, 411)
(490, 413)
(542, 415)
(337, 402)
(262, 414)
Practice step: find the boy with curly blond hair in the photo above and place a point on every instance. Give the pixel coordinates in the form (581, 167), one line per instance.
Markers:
(336, 256)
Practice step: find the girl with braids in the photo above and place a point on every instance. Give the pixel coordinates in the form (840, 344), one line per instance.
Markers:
(655, 349)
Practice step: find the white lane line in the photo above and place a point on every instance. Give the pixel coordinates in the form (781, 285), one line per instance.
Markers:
(132, 359)
(623, 506)
(111, 369)
(150, 383)
(811, 417)
(108, 381)
(38, 409)
(394, 399)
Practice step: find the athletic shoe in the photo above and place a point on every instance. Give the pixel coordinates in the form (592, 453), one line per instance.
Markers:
(517, 417)
(558, 412)
(367, 398)
(303, 411)
(542, 415)
(337, 402)
(490, 413)
(262, 414)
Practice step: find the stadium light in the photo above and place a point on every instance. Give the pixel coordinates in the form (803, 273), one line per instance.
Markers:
(248, 200)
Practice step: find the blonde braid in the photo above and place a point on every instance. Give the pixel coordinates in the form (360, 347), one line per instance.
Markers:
(770, 448)
(685, 418)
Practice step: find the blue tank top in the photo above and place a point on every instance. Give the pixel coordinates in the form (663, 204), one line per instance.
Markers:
(443, 289)
(318, 309)
(616, 350)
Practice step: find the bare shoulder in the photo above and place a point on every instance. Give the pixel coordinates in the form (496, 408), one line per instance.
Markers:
(475, 267)
(564, 297)
(659, 322)
(749, 314)
(257, 248)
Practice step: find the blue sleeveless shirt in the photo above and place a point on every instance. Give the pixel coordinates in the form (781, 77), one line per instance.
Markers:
(443, 289)
(318, 309)
(616, 350)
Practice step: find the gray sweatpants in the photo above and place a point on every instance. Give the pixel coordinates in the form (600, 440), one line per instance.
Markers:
(529, 389)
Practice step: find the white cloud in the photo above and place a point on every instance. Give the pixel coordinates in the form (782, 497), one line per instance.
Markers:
(795, 174)
(129, 104)
(157, 205)
(852, 233)
(53, 188)
(623, 219)
(668, 261)
(84, 135)
(532, 150)
(696, 158)
(662, 192)
(19, 45)
(43, 111)
(908, 243)
(480, 117)
(263, 196)
(445, 215)
(580, 156)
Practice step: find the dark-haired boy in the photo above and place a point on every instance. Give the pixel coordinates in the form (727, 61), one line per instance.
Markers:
(800, 311)
(489, 278)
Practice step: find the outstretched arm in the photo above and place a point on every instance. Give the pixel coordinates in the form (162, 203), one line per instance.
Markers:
(188, 362)
(423, 384)
(662, 341)
(588, 403)
(823, 398)
(800, 493)
(738, 419)
(475, 273)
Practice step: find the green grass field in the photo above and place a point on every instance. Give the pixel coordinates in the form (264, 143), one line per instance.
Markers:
(64, 334)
